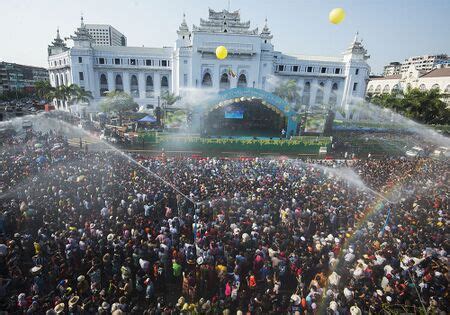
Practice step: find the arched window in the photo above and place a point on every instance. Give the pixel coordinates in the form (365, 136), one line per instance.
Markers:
(224, 82)
(370, 89)
(408, 86)
(333, 94)
(206, 81)
(134, 86)
(395, 88)
(386, 89)
(149, 86)
(447, 89)
(103, 85)
(119, 84)
(57, 80)
(164, 83)
(306, 93)
(378, 89)
(242, 81)
(66, 79)
(422, 87)
(319, 94)
(435, 87)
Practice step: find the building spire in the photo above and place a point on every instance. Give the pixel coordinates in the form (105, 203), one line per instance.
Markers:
(57, 33)
(82, 20)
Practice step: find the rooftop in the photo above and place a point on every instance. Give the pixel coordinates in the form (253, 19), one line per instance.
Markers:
(135, 50)
(389, 77)
(441, 72)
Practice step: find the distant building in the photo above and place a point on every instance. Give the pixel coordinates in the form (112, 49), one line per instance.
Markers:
(424, 63)
(438, 78)
(20, 77)
(252, 62)
(393, 68)
(106, 35)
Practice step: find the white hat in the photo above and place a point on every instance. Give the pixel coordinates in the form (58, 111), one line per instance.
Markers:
(110, 237)
(333, 306)
(59, 309)
(295, 299)
(388, 298)
(355, 310)
(200, 260)
(81, 278)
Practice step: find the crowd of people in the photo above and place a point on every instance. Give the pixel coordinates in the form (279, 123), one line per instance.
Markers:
(86, 232)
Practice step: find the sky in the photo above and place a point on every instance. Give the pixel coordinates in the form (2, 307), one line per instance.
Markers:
(392, 30)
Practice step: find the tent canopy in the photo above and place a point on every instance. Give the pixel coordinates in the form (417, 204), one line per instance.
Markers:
(149, 119)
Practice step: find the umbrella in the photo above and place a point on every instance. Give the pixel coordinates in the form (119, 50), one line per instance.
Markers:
(38, 145)
(149, 119)
(41, 159)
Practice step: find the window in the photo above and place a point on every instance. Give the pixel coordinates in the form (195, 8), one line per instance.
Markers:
(163, 63)
(242, 81)
(386, 89)
(309, 69)
(207, 81)
(80, 59)
(435, 87)
(355, 86)
(133, 62)
(337, 71)
(323, 70)
(148, 62)
(164, 83)
(280, 68)
(306, 93)
(59, 62)
(101, 61)
(134, 86)
(185, 79)
(81, 76)
(185, 62)
(356, 71)
(378, 89)
(149, 86)
(103, 85)
(117, 61)
(119, 83)
(263, 83)
(224, 82)
(295, 68)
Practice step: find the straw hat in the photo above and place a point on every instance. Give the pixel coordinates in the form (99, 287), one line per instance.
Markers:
(36, 269)
(295, 299)
(355, 310)
(73, 300)
(59, 309)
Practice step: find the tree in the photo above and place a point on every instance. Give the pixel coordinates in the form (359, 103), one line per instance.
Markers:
(289, 91)
(119, 103)
(79, 95)
(170, 98)
(44, 90)
(62, 93)
(423, 106)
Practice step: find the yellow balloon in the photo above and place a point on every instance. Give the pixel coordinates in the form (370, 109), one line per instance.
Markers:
(336, 15)
(221, 52)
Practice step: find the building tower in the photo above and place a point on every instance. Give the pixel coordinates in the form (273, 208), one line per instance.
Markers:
(184, 35)
(58, 45)
(357, 74)
(82, 37)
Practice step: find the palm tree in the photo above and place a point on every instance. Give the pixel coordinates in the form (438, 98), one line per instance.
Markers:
(79, 95)
(168, 100)
(118, 102)
(44, 90)
(289, 91)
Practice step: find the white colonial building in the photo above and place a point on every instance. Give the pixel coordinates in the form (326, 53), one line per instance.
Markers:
(438, 78)
(146, 73)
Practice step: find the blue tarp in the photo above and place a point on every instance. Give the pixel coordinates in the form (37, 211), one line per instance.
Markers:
(149, 119)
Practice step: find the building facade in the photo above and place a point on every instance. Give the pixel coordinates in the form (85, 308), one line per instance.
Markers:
(106, 35)
(20, 77)
(146, 73)
(393, 68)
(438, 78)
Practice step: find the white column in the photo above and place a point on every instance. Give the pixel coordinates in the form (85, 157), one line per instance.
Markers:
(141, 81)
(111, 81)
(126, 82)
(313, 93)
(157, 83)
(327, 92)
